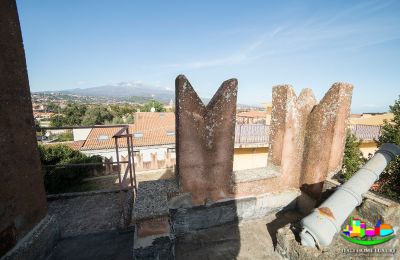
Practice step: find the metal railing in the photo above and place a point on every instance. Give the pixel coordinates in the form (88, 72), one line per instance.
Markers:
(259, 133)
(366, 132)
(251, 133)
(124, 184)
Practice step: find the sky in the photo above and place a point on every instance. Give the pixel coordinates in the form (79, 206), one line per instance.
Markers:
(86, 43)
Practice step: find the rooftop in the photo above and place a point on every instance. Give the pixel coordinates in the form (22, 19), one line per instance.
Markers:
(252, 114)
(149, 129)
(366, 132)
(370, 119)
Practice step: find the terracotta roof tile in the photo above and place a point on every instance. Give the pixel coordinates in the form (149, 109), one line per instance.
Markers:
(252, 113)
(367, 119)
(156, 128)
(149, 129)
(366, 132)
(74, 145)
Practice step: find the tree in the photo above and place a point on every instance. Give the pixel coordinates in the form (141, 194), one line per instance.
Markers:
(96, 115)
(389, 181)
(352, 158)
(64, 137)
(57, 120)
(115, 121)
(53, 107)
(122, 110)
(129, 119)
(61, 179)
(73, 114)
(37, 125)
(159, 107)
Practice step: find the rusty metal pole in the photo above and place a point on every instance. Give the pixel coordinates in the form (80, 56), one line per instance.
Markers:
(324, 222)
(119, 167)
(121, 196)
(133, 164)
(129, 156)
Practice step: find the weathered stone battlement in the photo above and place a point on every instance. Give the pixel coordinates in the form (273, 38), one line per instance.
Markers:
(209, 194)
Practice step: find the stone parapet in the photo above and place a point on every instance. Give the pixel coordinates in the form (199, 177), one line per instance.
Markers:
(38, 243)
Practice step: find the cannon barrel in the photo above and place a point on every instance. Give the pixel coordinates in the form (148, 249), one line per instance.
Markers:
(324, 222)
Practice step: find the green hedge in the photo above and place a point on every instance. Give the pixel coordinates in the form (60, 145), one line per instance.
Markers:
(62, 179)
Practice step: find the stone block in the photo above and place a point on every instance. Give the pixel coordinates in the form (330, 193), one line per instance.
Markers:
(307, 139)
(205, 141)
(22, 194)
(190, 219)
(375, 207)
(325, 138)
(38, 243)
(288, 130)
(154, 248)
(153, 226)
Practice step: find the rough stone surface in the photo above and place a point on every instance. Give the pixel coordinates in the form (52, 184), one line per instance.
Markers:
(205, 141)
(152, 198)
(202, 217)
(88, 214)
(250, 175)
(289, 248)
(288, 129)
(250, 239)
(154, 226)
(373, 207)
(38, 243)
(325, 138)
(306, 139)
(99, 246)
(376, 207)
(22, 195)
(161, 248)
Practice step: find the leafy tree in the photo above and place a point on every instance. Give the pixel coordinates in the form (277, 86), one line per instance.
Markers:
(73, 114)
(37, 125)
(53, 107)
(389, 181)
(122, 110)
(352, 158)
(68, 136)
(129, 119)
(96, 115)
(57, 120)
(61, 179)
(159, 107)
(115, 121)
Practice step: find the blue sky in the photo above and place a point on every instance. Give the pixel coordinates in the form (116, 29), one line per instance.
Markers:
(87, 43)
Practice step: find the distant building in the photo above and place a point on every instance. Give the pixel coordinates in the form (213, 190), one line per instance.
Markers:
(38, 107)
(268, 110)
(42, 115)
(367, 128)
(154, 142)
(170, 106)
(251, 117)
(376, 119)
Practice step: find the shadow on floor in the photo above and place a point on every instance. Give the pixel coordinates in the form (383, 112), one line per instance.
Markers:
(283, 218)
(104, 245)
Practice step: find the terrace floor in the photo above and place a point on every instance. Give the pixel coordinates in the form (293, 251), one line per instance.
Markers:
(251, 239)
(99, 246)
(90, 227)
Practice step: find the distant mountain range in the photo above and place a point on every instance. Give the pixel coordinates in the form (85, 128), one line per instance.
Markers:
(128, 91)
(124, 90)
